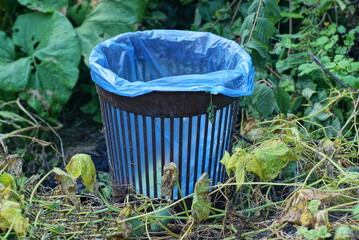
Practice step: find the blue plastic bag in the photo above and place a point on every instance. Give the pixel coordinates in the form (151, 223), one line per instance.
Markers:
(134, 64)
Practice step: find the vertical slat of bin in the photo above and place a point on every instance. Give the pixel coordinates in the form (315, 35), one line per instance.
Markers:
(140, 146)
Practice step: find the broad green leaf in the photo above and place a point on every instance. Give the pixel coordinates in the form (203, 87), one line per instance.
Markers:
(317, 112)
(351, 81)
(7, 180)
(353, 67)
(341, 29)
(82, 165)
(15, 75)
(201, 200)
(307, 68)
(236, 163)
(67, 185)
(79, 11)
(321, 40)
(256, 45)
(341, 4)
(52, 47)
(283, 99)
(248, 23)
(108, 19)
(156, 227)
(313, 206)
(7, 48)
(264, 99)
(7, 185)
(226, 161)
(44, 6)
(308, 92)
(272, 10)
(10, 213)
(264, 30)
(269, 158)
(356, 212)
(343, 233)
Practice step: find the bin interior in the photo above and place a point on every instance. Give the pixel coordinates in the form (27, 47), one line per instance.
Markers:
(143, 57)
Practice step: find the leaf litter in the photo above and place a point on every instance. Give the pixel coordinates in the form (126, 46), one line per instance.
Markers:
(284, 186)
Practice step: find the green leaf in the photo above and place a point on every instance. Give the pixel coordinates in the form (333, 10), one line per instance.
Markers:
(155, 227)
(236, 163)
(201, 200)
(356, 211)
(321, 40)
(283, 99)
(82, 165)
(44, 6)
(10, 213)
(7, 180)
(108, 19)
(351, 81)
(307, 68)
(308, 92)
(343, 233)
(341, 4)
(79, 11)
(15, 75)
(264, 99)
(264, 30)
(7, 48)
(291, 15)
(52, 46)
(341, 29)
(313, 206)
(269, 158)
(354, 67)
(322, 116)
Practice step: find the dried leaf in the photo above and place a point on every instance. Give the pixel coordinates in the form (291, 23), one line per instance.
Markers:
(82, 165)
(12, 164)
(67, 185)
(297, 208)
(321, 219)
(169, 179)
(201, 200)
(307, 218)
(249, 124)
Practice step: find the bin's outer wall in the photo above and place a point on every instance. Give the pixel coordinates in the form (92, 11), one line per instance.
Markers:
(166, 104)
(139, 146)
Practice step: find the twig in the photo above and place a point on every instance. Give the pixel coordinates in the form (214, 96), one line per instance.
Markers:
(332, 7)
(235, 13)
(266, 82)
(255, 21)
(225, 11)
(290, 25)
(272, 71)
(317, 61)
(323, 19)
(353, 115)
(57, 135)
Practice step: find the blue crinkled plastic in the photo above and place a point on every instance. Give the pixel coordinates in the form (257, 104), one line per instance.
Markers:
(134, 64)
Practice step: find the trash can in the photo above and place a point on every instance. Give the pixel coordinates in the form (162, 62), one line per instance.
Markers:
(168, 96)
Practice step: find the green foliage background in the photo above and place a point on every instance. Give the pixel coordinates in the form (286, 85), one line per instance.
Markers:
(45, 47)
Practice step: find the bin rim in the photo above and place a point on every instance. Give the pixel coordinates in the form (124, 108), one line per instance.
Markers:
(233, 82)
